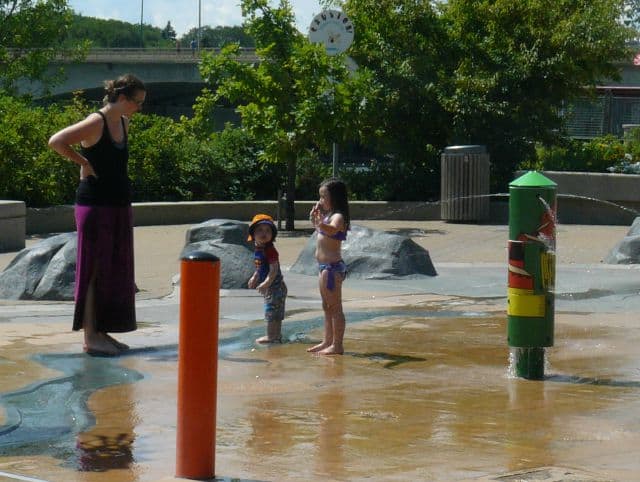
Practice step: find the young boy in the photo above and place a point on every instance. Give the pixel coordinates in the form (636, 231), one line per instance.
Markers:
(267, 278)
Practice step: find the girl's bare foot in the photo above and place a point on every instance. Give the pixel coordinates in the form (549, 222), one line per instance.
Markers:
(265, 339)
(318, 347)
(118, 344)
(332, 350)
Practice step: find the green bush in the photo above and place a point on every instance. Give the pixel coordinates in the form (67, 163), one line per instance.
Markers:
(389, 179)
(596, 155)
(173, 161)
(29, 170)
(176, 161)
(169, 160)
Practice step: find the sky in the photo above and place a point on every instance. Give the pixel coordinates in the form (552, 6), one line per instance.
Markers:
(183, 14)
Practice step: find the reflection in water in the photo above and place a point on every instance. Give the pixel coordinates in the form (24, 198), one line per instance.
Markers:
(271, 433)
(535, 400)
(44, 418)
(390, 359)
(100, 453)
(272, 430)
(331, 437)
(109, 444)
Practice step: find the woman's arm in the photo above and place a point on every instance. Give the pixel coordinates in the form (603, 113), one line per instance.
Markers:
(87, 131)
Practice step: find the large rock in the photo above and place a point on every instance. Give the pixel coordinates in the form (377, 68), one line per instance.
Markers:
(372, 254)
(226, 239)
(236, 261)
(44, 271)
(627, 251)
(58, 281)
(223, 230)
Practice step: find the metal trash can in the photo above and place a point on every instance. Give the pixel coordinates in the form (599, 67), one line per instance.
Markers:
(464, 183)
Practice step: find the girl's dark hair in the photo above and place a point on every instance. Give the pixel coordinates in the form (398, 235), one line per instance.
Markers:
(338, 196)
(127, 85)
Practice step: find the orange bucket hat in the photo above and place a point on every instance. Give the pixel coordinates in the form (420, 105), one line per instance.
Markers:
(262, 219)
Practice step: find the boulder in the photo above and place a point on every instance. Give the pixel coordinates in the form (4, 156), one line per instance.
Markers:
(236, 261)
(58, 281)
(627, 250)
(226, 231)
(226, 239)
(45, 270)
(372, 254)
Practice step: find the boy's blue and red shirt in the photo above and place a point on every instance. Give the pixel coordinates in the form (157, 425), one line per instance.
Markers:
(263, 257)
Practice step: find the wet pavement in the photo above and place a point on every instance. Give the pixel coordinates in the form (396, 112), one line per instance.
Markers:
(424, 392)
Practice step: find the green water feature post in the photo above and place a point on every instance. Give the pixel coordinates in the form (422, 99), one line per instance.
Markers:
(531, 274)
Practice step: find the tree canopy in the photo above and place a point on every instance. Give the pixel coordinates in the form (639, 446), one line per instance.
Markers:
(295, 98)
(102, 33)
(219, 36)
(168, 32)
(494, 72)
(31, 33)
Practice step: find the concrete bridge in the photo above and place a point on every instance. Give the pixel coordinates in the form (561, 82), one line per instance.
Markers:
(171, 76)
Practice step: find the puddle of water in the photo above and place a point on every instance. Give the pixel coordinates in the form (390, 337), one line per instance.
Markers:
(421, 394)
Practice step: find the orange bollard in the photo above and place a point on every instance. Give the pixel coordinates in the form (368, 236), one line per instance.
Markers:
(198, 366)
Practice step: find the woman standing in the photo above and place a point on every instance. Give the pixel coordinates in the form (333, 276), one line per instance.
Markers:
(105, 287)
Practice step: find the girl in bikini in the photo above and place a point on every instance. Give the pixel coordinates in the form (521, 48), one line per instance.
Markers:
(330, 217)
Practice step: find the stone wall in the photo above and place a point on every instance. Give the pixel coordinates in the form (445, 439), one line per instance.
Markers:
(596, 198)
(583, 198)
(12, 225)
(60, 219)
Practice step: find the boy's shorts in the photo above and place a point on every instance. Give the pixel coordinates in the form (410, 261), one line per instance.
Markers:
(274, 302)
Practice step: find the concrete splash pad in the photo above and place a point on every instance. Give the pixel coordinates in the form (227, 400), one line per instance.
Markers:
(423, 392)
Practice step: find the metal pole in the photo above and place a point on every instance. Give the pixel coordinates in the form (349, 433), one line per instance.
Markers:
(141, 30)
(335, 159)
(199, 22)
(198, 366)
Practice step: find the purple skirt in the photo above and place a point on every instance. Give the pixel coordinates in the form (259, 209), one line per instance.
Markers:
(105, 247)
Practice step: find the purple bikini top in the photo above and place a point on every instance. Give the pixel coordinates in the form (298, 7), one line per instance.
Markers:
(339, 235)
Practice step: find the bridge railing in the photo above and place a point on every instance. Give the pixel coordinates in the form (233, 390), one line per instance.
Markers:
(152, 55)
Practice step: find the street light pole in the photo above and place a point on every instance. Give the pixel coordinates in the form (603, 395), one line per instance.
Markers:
(141, 30)
(199, 23)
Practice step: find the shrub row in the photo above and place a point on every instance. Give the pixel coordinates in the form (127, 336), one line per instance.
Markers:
(176, 161)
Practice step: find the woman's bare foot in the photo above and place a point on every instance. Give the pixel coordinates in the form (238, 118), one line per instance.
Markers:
(318, 347)
(100, 346)
(332, 350)
(118, 344)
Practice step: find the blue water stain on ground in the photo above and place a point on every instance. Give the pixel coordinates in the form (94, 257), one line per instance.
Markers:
(44, 417)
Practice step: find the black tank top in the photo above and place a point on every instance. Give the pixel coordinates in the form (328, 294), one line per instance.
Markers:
(109, 160)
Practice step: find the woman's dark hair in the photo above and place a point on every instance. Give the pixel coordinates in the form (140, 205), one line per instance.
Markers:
(127, 85)
(338, 197)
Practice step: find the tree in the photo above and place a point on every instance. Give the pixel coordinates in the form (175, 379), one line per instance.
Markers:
(31, 33)
(111, 33)
(406, 46)
(169, 33)
(294, 99)
(518, 63)
(220, 36)
(493, 72)
(632, 15)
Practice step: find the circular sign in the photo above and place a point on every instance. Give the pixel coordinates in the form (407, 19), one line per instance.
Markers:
(333, 29)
